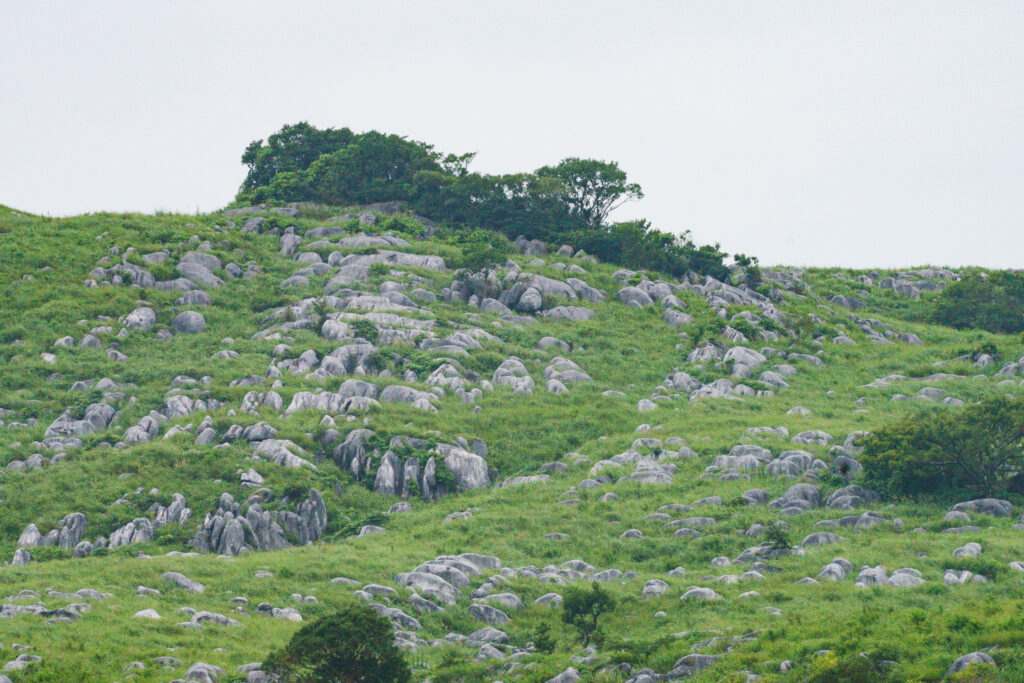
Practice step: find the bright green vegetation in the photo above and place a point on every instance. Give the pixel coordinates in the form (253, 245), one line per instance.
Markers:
(923, 628)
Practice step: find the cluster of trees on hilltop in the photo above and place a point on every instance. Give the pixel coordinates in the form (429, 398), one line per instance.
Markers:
(565, 203)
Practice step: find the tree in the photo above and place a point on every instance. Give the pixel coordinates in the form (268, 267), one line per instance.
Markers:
(354, 645)
(374, 168)
(582, 608)
(994, 303)
(637, 244)
(293, 148)
(939, 452)
(592, 189)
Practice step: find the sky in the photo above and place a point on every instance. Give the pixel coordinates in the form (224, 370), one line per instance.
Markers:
(859, 134)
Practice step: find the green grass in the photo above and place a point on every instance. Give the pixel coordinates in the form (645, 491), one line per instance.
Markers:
(922, 628)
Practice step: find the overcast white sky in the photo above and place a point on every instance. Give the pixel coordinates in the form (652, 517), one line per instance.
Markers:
(806, 133)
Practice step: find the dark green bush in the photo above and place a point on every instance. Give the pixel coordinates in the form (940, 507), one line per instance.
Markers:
(354, 645)
(582, 607)
(994, 303)
(947, 453)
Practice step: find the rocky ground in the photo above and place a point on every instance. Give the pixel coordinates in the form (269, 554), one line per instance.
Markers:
(215, 427)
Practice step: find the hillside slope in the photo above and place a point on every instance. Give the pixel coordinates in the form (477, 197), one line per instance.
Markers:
(301, 407)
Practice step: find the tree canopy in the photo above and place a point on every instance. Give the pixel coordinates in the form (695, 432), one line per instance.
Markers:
(582, 607)
(994, 303)
(977, 450)
(293, 148)
(354, 645)
(591, 189)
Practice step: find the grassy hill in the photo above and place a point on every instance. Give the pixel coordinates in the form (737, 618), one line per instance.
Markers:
(537, 473)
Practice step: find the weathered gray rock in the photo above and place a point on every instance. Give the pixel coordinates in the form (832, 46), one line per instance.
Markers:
(469, 470)
(821, 538)
(986, 506)
(488, 614)
(230, 529)
(183, 582)
(189, 322)
(141, 318)
(654, 588)
(570, 675)
(139, 530)
(698, 593)
(979, 658)
(633, 296)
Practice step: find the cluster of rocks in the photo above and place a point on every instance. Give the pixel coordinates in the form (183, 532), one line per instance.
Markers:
(1011, 369)
(562, 371)
(513, 373)
(232, 528)
(878, 332)
(740, 362)
(720, 295)
(69, 533)
(413, 466)
(877, 576)
(521, 292)
(34, 462)
(744, 458)
(357, 396)
(175, 406)
(912, 282)
(930, 395)
(10, 607)
(196, 269)
(92, 340)
(96, 417)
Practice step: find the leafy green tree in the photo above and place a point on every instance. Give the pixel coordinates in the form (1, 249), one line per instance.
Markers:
(293, 148)
(374, 168)
(592, 189)
(513, 204)
(995, 303)
(287, 186)
(542, 638)
(637, 244)
(480, 248)
(582, 608)
(354, 645)
(977, 449)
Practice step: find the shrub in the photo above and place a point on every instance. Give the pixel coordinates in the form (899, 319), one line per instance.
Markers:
(480, 249)
(353, 645)
(941, 452)
(365, 329)
(582, 608)
(542, 638)
(857, 668)
(995, 303)
(777, 537)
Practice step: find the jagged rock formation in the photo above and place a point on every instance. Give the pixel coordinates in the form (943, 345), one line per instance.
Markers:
(233, 528)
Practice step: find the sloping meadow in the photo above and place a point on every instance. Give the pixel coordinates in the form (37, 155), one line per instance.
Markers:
(482, 440)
